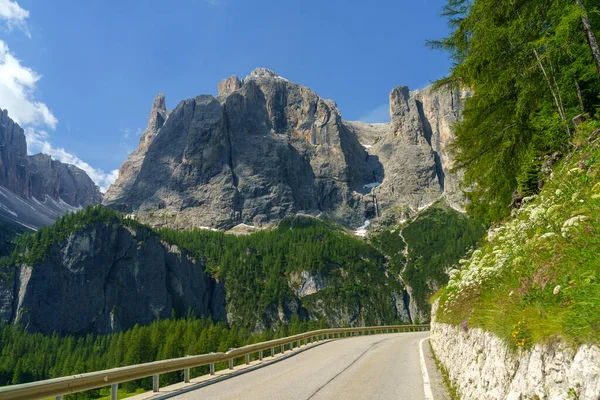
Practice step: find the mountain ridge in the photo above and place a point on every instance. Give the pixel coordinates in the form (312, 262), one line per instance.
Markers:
(35, 189)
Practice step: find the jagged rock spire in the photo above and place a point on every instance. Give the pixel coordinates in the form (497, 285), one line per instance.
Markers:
(159, 102)
(229, 85)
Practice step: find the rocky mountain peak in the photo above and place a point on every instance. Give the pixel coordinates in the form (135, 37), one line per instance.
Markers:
(262, 73)
(130, 169)
(159, 102)
(37, 189)
(158, 116)
(229, 85)
(406, 117)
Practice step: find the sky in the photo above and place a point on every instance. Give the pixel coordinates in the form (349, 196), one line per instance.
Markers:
(80, 76)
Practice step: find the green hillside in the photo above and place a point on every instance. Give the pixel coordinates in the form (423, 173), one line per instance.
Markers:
(422, 250)
(537, 276)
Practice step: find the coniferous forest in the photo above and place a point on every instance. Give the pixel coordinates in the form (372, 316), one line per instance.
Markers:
(531, 67)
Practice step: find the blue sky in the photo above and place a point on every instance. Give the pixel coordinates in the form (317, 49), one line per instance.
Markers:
(80, 76)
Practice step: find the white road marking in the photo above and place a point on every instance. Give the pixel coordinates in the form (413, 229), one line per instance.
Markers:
(426, 385)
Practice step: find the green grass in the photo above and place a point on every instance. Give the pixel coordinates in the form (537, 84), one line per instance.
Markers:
(537, 277)
(123, 394)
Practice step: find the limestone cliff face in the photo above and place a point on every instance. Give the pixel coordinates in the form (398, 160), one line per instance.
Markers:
(39, 176)
(129, 171)
(482, 367)
(267, 148)
(14, 171)
(414, 149)
(48, 177)
(107, 278)
(256, 154)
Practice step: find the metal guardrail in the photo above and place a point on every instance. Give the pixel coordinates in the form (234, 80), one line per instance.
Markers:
(59, 387)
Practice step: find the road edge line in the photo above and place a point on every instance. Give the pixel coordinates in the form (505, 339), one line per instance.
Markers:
(426, 383)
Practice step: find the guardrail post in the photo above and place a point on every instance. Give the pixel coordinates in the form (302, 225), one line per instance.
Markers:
(58, 398)
(272, 351)
(260, 354)
(344, 334)
(186, 375)
(298, 343)
(231, 363)
(114, 391)
(282, 349)
(247, 359)
(212, 369)
(155, 383)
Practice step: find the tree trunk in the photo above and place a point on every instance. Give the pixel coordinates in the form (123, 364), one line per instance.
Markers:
(558, 103)
(580, 97)
(592, 41)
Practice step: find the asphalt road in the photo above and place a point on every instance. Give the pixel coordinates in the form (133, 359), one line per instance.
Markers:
(365, 367)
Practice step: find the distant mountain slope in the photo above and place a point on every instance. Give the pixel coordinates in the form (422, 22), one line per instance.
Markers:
(267, 148)
(97, 271)
(31, 212)
(35, 190)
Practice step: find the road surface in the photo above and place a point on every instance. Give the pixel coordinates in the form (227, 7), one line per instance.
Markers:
(383, 366)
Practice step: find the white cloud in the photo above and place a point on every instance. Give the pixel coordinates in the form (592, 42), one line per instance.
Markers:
(37, 142)
(17, 86)
(17, 90)
(378, 114)
(14, 15)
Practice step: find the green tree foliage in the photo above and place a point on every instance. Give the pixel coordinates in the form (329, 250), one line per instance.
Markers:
(436, 241)
(26, 357)
(529, 66)
(258, 269)
(8, 234)
(29, 247)
(425, 248)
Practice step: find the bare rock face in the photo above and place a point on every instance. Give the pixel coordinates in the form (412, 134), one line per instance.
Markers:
(14, 171)
(265, 151)
(414, 149)
(47, 188)
(107, 278)
(411, 173)
(129, 171)
(441, 108)
(267, 148)
(229, 85)
(61, 181)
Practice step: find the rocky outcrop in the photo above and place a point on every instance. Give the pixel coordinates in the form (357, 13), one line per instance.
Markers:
(107, 278)
(130, 170)
(304, 283)
(39, 177)
(482, 367)
(229, 85)
(59, 181)
(414, 149)
(267, 148)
